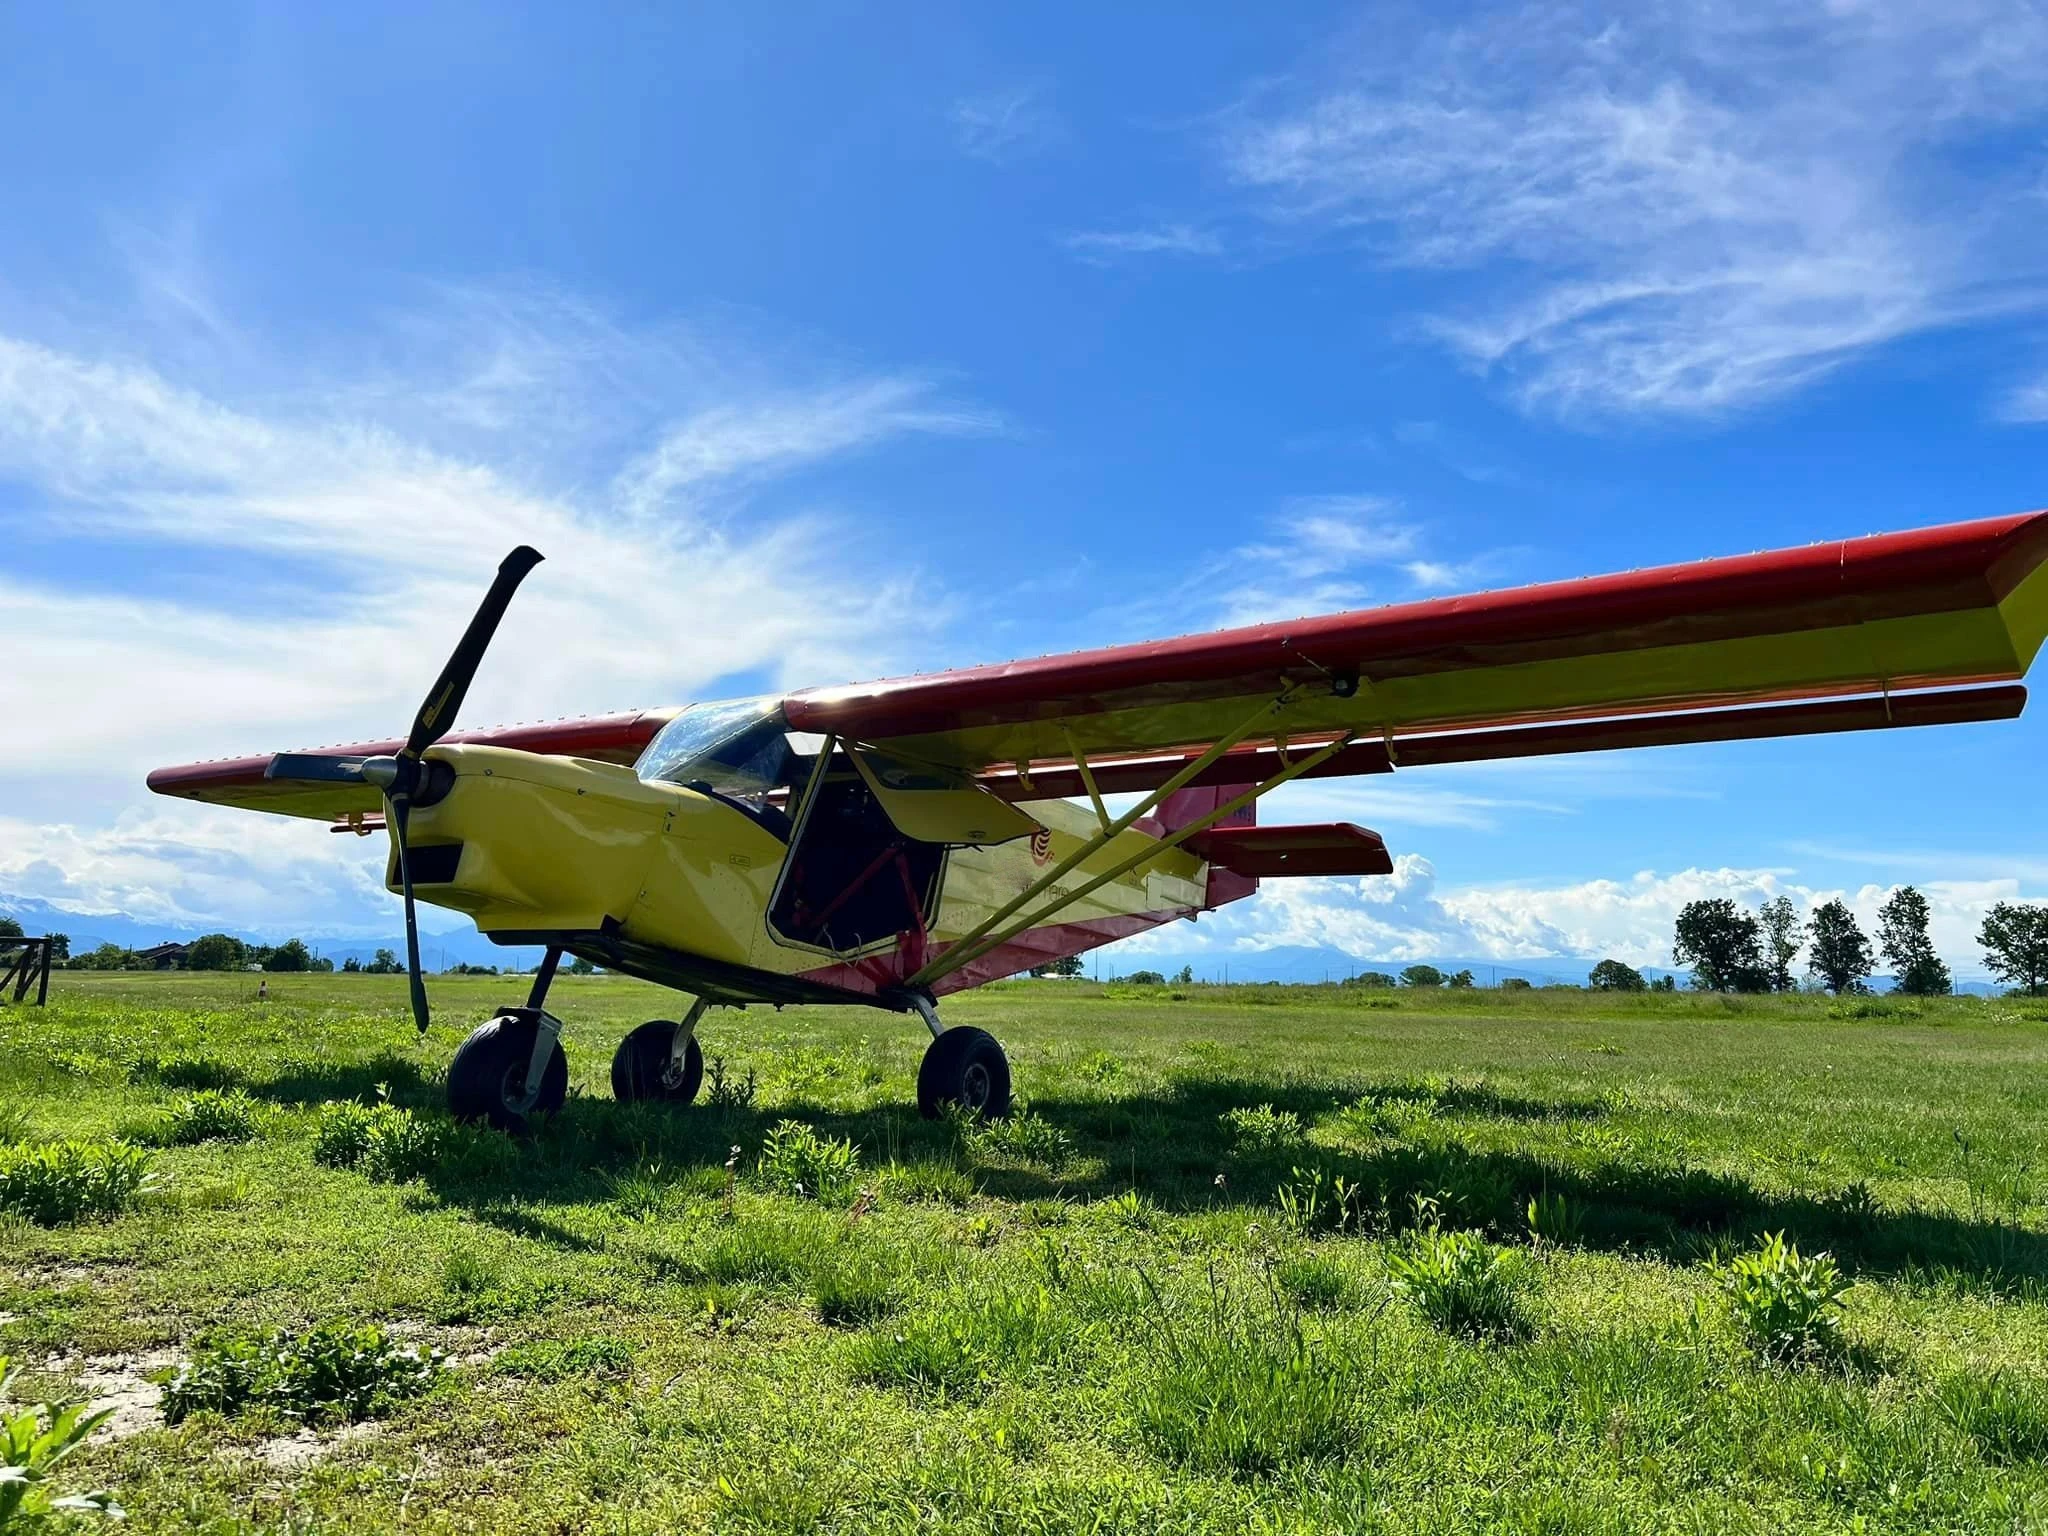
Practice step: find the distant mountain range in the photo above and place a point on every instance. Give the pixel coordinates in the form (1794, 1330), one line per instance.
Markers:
(1298, 963)
(89, 930)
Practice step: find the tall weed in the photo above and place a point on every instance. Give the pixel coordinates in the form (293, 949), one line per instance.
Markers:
(61, 1181)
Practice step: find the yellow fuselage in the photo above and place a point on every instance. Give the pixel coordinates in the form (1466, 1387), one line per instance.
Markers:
(565, 845)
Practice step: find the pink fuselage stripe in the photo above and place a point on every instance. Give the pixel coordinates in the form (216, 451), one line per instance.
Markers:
(1034, 946)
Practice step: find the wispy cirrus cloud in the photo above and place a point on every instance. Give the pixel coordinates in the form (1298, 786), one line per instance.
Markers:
(1325, 554)
(2028, 403)
(1166, 239)
(1004, 124)
(1682, 209)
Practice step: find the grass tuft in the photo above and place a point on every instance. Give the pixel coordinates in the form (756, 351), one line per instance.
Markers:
(796, 1160)
(1462, 1283)
(1022, 1137)
(1245, 1389)
(390, 1144)
(210, 1114)
(1313, 1281)
(2006, 1415)
(54, 1182)
(960, 1345)
(1788, 1306)
(1263, 1131)
(553, 1360)
(854, 1289)
(331, 1371)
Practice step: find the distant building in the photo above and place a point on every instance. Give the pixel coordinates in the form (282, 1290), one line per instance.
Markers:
(164, 957)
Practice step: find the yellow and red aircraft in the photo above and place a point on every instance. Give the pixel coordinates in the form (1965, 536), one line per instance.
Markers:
(888, 843)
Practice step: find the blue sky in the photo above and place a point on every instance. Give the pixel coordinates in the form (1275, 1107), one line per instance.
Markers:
(891, 339)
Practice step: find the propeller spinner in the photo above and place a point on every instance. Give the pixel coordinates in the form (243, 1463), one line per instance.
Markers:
(402, 778)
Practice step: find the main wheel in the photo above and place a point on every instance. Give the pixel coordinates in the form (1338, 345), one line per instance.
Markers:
(644, 1066)
(487, 1078)
(966, 1067)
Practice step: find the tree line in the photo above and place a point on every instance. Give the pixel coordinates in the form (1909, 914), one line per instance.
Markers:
(1732, 949)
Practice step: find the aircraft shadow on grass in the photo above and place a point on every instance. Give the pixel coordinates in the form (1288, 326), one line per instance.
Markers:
(1169, 1146)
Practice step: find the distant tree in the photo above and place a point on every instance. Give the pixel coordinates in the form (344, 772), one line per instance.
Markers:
(464, 968)
(1840, 953)
(1067, 965)
(1422, 976)
(352, 965)
(60, 948)
(1461, 979)
(108, 957)
(1145, 979)
(580, 967)
(291, 955)
(1516, 984)
(257, 957)
(1184, 977)
(1369, 979)
(1778, 926)
(1613, 976)
(1902, 936)
(321, 963)
(1720, 941)
(10, 928)
(383, 963)
(1665, 983)
(2015, 940)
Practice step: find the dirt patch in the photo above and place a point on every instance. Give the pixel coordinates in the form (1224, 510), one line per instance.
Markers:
(289, 1453)
(120, 1383)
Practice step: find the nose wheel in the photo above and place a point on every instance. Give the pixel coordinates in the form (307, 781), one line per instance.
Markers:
(509, 1070)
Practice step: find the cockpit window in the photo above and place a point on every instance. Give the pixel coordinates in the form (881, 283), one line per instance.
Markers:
(739, 748)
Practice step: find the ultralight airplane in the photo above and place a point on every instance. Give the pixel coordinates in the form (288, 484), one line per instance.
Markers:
(888, 843)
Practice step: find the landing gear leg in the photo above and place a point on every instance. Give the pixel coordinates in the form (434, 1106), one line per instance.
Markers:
(963, 1067)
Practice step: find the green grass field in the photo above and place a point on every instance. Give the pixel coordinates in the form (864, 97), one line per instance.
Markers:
(1209, 1281)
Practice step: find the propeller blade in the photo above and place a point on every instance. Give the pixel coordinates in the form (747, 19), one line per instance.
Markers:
(314, 768)
(437, 714)
(399, 813)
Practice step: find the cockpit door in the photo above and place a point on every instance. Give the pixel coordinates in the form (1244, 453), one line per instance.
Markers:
(939, 805)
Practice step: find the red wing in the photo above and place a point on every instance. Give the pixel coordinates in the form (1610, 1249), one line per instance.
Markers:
(240, 782)
(1866, 618)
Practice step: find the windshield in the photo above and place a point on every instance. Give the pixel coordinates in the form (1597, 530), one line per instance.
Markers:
(737, 747)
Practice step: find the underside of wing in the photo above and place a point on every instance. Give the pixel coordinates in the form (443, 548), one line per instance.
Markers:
(243, 781)
(1336, 848)
(1862, 622)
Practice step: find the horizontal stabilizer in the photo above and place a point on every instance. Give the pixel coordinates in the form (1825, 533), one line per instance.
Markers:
(1334, 848)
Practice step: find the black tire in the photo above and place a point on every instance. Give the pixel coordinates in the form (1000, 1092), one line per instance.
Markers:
(641, 1064)
(966, 1067)
(487, 1078)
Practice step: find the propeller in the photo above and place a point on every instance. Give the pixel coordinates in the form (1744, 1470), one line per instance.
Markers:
(405, 778)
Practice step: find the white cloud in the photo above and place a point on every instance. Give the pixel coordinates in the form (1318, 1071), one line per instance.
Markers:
(1169, 239)
(1320, 555)
(1004, 125)
(2028, 403)
(1685, 210)
(1406, 916)
(353, 527)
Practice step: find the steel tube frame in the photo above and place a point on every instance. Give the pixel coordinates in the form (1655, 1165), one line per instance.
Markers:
(1095, 844)
(968, 951)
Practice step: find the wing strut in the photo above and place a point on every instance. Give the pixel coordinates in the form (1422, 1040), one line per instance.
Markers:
(972, 948)
(972, 939)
